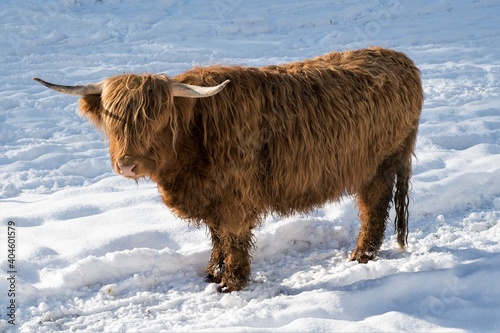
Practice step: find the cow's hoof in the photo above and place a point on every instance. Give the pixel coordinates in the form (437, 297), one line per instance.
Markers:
(222, 288)
(362, 257)
(213, 279)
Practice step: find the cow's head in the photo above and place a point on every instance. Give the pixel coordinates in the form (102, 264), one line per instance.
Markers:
(132, 109)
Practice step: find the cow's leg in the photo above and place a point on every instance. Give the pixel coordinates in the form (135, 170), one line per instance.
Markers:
(237, 259)
(374, 201)
(216, 265)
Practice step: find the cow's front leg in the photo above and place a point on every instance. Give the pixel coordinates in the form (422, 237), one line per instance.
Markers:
(216, 265)
(237, 247)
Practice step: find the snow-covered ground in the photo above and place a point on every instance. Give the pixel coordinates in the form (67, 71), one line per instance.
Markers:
(97, 252)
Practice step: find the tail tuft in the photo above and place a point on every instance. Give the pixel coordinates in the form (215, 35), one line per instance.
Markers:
(401, 203)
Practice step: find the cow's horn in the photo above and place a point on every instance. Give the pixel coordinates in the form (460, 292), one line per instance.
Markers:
(187, 90)
(89, 89)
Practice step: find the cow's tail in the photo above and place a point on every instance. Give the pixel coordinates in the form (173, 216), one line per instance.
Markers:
(401, 195)
(401, 202)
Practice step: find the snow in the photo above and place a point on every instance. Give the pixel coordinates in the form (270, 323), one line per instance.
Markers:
(97, 252)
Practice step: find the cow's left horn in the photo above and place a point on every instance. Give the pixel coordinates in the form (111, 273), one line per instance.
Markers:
(89, 89)
(187, 90)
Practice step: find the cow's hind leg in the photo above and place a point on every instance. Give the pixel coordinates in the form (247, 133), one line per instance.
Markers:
(374, 201)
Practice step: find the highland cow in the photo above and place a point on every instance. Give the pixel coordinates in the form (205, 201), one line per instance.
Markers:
(228, 145)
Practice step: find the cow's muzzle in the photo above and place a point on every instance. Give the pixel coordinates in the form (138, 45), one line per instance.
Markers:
(127, 167)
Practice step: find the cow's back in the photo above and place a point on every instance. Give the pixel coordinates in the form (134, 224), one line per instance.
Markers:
(297, 135)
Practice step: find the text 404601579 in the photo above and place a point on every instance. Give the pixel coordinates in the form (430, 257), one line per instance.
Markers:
(11, 271)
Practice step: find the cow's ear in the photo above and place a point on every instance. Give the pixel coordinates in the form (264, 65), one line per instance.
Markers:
(90, 107)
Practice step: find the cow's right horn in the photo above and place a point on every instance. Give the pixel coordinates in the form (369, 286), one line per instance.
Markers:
(190, 91)
(89, 89)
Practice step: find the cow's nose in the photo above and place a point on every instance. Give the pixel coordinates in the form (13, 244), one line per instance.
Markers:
(127, 169)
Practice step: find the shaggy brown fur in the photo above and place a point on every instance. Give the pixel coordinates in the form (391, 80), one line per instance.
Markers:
(282, 139)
